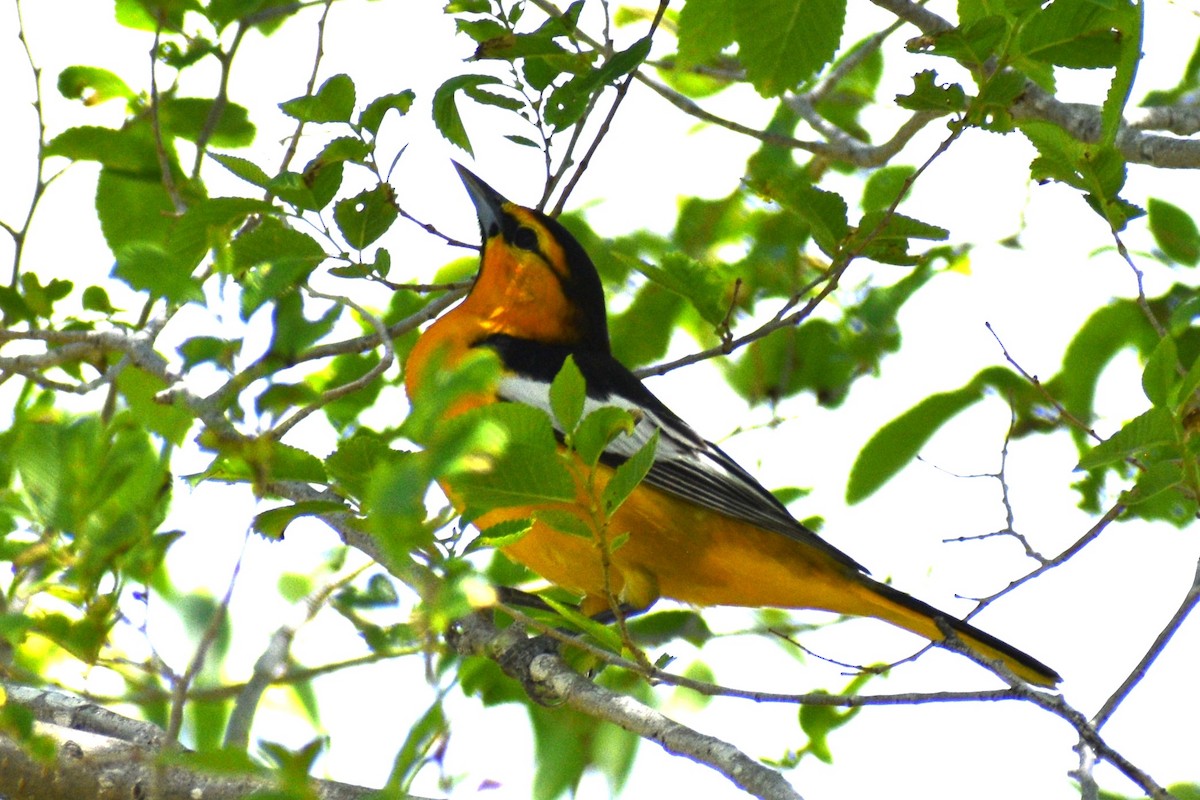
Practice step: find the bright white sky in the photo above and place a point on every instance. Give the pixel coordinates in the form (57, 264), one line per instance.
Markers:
(1091, 620)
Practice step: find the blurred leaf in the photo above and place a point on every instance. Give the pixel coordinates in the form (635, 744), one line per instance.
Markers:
(273, 522)
(705, 29)
(568, 392)
(897, 443)
(189, 118)
(884, 186)
(1174, 232)
(92, 85)
(1152, 428)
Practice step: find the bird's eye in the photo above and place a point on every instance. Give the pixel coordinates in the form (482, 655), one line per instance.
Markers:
(525, 238)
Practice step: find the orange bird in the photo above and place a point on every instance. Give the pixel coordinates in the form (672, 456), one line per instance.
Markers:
(700, 528)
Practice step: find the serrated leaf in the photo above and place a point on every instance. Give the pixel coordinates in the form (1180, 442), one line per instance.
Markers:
(783, 43)
(445, 108)
(365, 217)
(1159, 477)
(823, 211)
(1143, 432)
(700, 284)
(243, 168)
(1071, 33)
(333, 102)
(372, 116)
(628, 475)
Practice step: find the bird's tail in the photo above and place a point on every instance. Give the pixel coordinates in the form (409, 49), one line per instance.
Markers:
(892, 605)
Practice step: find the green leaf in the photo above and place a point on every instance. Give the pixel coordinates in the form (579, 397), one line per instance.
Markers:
(1127, 21)
(372, 116)
(130, 151)
(92, 85)
(244, 169)
(271, 259)
(1159, 477)
(273, 522)
(703, 286)
(568, 392)
(210, 349)
(132, 210)
(897, 443)
(927, 95)
(823, 211)
(971, 45)
(95, 298)
(598, 429)
(505, 533)
(188, 118)
(445, 108)
(884, 187)
(628, 475)
(365, 217)
(517, 464)
(1152, 428)
(705, 29)
(333, 102)
(886, 237)
(150, 268)
(1161, 373)
(1072, 33)
(141, 389)
(1174, 232)
(152, 15)
(783, 43)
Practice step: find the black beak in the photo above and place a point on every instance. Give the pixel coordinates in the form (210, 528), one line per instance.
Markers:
(486, 199)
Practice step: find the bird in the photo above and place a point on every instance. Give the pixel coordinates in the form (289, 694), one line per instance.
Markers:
(699, 529)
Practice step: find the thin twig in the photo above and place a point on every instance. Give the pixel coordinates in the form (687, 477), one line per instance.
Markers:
(1160, 642)
(622, 90)
(294, 139)
(1037, 384)
(327, 397)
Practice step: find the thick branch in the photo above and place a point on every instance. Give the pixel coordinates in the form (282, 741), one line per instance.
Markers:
(105, 756)
(548, 678)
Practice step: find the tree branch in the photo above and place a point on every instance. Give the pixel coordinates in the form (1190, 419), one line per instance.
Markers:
(549, 678)
(105, 756)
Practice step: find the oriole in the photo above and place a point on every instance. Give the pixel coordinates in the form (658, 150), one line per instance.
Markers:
(701, 529)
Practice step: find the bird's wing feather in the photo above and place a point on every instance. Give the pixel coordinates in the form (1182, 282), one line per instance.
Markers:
(685, 463)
